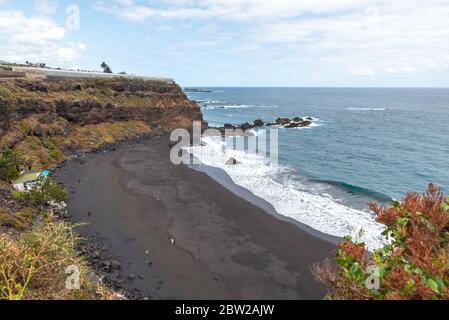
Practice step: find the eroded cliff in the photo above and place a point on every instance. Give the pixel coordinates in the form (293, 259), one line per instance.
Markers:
(44, 121)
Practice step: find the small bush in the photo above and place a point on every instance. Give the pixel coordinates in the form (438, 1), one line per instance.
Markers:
(8, 166)
(414, 265)
(49, 191)
(17, 195)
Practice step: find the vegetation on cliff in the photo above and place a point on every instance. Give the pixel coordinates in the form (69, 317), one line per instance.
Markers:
(42, 124)
(414, 265)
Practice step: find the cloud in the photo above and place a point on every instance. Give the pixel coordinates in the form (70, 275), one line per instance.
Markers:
(386, 39)
(234, 10)
(363, 37)
(34, 39)
(46, 7)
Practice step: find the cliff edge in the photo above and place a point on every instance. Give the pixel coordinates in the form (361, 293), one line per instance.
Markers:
(44, 121)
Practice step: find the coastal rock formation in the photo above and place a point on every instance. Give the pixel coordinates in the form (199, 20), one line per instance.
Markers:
(243, 129)
(259, 123)
(44, 121)
(296, 122)
(282, 121)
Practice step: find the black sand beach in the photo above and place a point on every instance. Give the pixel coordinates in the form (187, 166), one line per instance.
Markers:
(179, 234)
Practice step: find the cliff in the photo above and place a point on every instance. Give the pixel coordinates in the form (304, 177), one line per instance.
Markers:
(44, 121)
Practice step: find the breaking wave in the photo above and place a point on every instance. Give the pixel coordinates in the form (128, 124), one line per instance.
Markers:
(290, 197)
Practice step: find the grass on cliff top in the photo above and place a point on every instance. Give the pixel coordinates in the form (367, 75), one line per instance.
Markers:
(36, 265)
(120, 92)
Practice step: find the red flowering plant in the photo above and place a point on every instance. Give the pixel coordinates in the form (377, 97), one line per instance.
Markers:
(413, 265)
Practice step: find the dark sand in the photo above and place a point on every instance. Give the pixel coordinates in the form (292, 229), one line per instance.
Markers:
(225, 247)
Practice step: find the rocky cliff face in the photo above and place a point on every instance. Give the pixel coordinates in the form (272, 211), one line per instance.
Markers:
(46, 120)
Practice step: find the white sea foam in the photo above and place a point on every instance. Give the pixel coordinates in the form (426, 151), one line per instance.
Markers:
(209, 101)
(289, 197)
(366, 109)
(235, 106)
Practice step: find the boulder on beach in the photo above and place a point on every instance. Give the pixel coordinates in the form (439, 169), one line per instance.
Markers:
(232, 162)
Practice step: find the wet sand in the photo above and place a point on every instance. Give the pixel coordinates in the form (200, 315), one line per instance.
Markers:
(204, 241)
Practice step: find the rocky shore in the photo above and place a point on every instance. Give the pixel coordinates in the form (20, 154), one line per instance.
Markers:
(297, 122)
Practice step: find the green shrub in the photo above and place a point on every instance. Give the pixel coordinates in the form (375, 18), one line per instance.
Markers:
(8, 166)
(17, 195)
(50, 190)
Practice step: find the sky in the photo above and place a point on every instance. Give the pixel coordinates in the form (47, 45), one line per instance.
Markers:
(294, 43)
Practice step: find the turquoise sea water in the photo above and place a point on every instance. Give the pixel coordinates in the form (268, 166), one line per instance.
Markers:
(368, 145)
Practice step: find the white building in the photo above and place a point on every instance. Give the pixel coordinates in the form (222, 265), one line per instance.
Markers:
(30, 180)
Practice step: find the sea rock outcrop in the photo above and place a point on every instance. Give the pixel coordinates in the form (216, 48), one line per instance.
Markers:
(296, 122)
(244, 128)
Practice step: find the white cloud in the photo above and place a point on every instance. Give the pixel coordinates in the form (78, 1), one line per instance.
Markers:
(390, 39)
(236, 10)
(363, 37)
(34, 39)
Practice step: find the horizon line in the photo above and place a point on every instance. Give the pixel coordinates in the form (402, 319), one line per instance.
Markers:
(318, 87)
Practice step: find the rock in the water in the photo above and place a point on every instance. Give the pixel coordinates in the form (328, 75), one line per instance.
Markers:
(283, 121)
(301, 124)
(228, 126)
(297, 119)
(259, 123)
(246, 126)
(232, 162)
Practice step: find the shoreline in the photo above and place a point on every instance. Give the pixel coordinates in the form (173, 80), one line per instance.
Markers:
(225, 180)
(226, 246)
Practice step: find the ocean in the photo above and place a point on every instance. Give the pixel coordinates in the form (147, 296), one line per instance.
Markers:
(365, 145)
